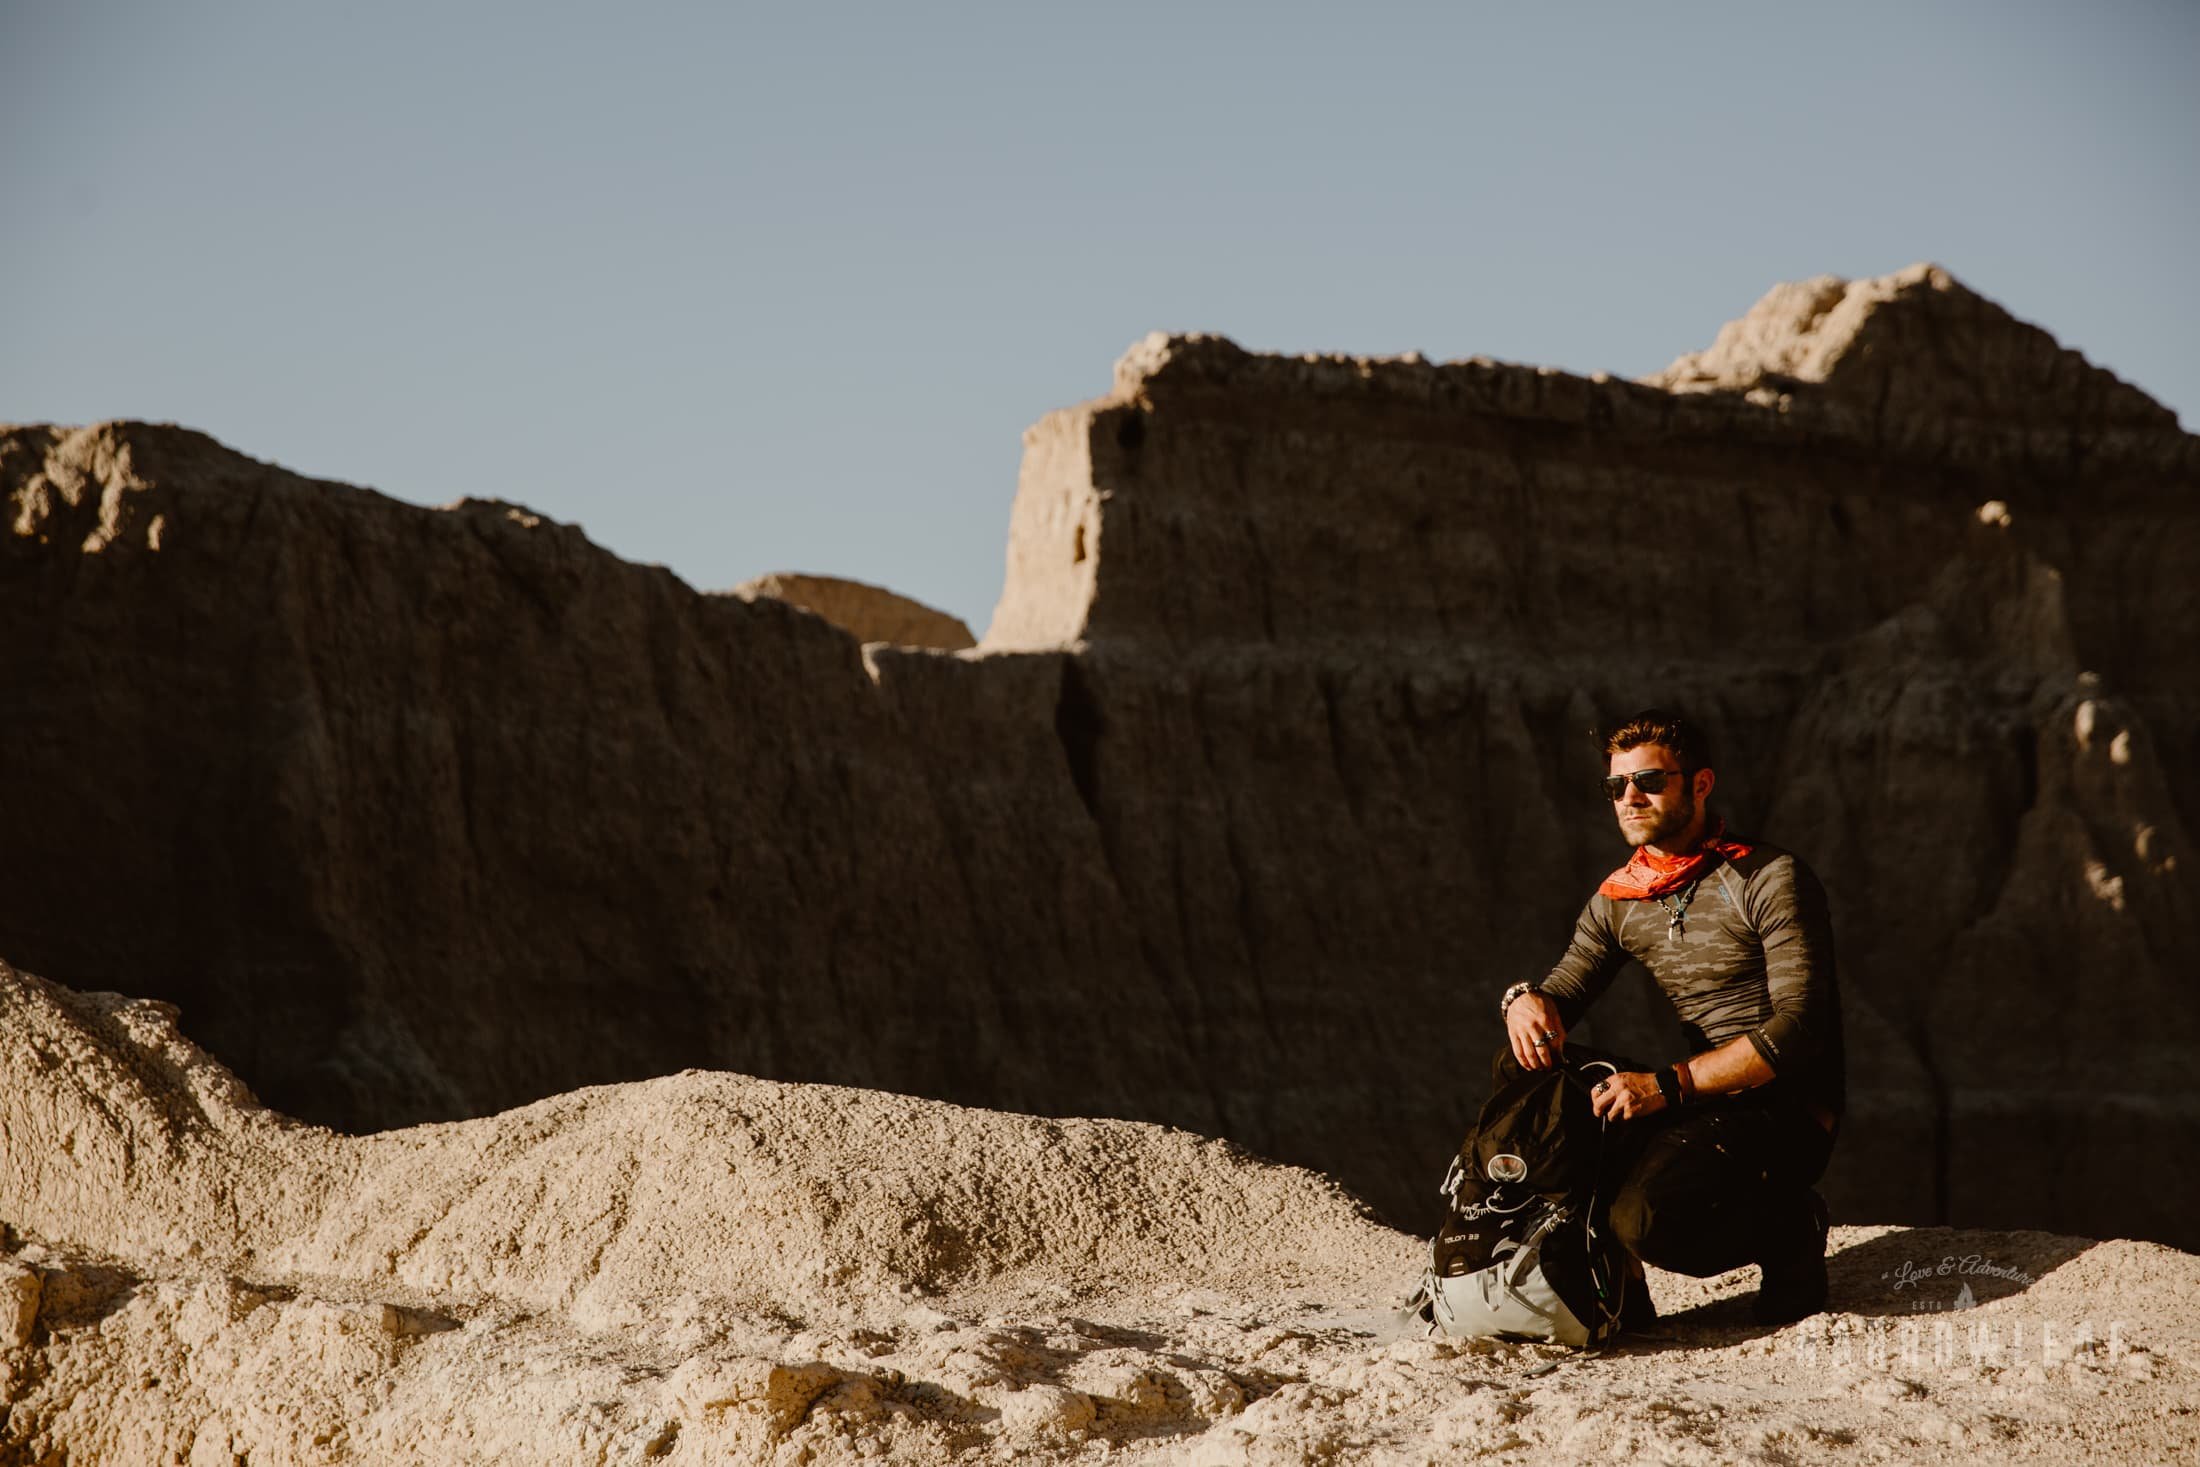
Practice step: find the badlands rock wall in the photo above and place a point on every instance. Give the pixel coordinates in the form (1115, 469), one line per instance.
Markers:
(1271, 771)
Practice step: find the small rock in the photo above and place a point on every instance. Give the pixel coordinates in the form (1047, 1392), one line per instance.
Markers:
(19, 1291)
(399, 1322)
(783, 1393)
(1046, 1410)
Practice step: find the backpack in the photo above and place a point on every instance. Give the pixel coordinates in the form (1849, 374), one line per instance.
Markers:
(1523, 1251)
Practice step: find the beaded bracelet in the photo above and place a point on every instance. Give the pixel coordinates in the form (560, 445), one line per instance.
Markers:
(1504, 1005)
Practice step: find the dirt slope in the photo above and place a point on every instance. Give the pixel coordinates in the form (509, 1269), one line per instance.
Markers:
(709, 1268)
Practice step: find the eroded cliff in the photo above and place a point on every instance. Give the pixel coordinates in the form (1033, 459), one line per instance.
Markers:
(1270, 772)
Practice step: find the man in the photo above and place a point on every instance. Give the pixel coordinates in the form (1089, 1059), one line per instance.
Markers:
(1719, 1151)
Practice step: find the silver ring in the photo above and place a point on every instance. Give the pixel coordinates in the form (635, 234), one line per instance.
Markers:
(1550, 1035)
(1542, 1044)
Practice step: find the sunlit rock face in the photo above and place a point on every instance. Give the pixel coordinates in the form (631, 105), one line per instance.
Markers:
(1271, 771)
(867, 613)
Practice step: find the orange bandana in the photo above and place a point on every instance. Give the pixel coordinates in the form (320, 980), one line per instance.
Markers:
(1646, 875)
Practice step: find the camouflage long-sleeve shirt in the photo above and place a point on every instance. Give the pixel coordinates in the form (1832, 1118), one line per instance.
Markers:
(1754, 956)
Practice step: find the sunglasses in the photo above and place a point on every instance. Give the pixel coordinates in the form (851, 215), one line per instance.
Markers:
(1649, 781)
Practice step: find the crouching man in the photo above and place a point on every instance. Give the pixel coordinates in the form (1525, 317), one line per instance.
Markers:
(1720, 1150)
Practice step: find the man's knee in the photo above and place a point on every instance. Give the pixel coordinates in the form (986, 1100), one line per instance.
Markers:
(1632, 1221)
(1699, 1232)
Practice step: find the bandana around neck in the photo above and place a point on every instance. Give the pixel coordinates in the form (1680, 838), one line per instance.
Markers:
(1646, 875)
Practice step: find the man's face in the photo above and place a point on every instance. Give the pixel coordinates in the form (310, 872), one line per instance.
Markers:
(1664, 818)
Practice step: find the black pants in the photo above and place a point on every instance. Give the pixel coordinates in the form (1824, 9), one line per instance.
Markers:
(1710, 1186)
(1717, 1184)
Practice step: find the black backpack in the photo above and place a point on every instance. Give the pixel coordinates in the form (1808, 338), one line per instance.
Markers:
(1523, 1251)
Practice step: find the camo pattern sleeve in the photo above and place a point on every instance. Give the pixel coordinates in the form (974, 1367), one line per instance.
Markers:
(1787, 906)
(1592, 959)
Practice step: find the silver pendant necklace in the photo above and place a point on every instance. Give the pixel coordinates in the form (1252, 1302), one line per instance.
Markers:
(1676, 910)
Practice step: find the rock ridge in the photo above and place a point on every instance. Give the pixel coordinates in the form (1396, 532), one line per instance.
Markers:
(866, 612)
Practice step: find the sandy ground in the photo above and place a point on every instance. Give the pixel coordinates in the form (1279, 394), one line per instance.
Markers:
(710, 1268)
(2091, 1362)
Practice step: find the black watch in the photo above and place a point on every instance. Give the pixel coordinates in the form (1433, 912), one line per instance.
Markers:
(1669, 1085)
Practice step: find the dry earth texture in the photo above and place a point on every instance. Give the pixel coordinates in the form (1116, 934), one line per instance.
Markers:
(1270, 773)
(712, 1268)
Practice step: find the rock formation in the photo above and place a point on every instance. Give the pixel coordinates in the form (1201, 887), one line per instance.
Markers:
(712, 1268)
(1270, 774)
(867, 613)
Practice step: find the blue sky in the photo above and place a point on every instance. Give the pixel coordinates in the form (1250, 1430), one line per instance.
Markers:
(744, 289)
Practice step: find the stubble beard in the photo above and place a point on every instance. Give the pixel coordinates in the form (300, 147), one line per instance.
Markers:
(1671, 823)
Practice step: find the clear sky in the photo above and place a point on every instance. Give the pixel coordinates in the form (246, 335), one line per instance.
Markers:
(745, 288)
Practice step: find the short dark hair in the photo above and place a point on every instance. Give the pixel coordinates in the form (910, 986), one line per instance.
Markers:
(1659, 726)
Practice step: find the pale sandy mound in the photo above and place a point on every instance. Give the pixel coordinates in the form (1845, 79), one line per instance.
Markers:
(713, 1268)
(125, 1138)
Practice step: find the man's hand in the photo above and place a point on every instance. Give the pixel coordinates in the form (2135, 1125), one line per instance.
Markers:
(1531, 1018)
(1623, 1097)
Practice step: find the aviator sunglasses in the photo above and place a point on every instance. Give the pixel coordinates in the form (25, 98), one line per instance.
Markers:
(1649, 781)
